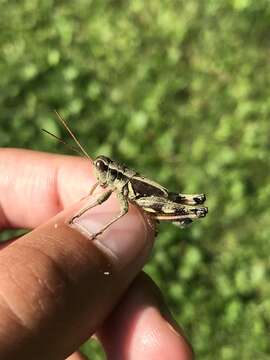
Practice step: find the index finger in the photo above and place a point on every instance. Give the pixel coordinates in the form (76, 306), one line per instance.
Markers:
(34, 186)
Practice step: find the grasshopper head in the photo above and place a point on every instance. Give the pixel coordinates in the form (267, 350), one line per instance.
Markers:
(101, 165)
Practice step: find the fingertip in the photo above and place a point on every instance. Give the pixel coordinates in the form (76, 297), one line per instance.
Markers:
(141, 327)
(56, 279)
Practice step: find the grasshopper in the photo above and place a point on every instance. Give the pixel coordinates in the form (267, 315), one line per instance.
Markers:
(131, 187)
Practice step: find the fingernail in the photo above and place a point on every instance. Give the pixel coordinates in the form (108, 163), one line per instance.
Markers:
(124, 241)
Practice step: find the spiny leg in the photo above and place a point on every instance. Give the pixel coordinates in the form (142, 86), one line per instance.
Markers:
(184, 218)
(187, 220)
(103, 197)
(160, 206)
(123, 210)
(195, 213)
(183, 223)
(187, 199)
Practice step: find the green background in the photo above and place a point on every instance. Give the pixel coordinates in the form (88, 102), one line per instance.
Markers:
(178, 90)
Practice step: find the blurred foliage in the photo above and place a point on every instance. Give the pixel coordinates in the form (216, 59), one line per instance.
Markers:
(180, 91)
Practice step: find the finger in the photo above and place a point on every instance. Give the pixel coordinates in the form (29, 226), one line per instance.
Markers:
(141, 327)
(6, 243)
(77, 356)
(34, 186)
(57, 286)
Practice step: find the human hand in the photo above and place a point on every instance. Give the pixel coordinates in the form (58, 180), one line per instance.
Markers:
(58, 288)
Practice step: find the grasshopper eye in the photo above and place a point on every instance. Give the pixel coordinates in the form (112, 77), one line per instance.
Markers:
(100, 165)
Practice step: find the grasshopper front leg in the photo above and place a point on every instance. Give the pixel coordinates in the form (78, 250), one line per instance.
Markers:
(91, 192)
(93, 188)
(103, 197)
(123, 210)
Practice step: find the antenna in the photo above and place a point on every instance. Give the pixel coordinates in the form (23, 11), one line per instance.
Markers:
(63, 142)
(60, 118)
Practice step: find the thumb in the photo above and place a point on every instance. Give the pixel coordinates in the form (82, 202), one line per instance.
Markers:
(57, 286)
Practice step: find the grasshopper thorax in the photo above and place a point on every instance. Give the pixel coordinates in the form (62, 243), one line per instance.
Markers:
(101, 166)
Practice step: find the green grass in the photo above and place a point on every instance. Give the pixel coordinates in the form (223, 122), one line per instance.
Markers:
(180, 91)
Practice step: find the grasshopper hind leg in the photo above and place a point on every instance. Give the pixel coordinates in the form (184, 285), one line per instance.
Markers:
(183, 215)
(187, 199)
(183, 223)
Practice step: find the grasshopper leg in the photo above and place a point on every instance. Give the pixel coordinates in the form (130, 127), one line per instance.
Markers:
(184, 219)
(123, 210)
(167, 209)
(187, 199)
(93, 188)
(103, 197)
(177, 218)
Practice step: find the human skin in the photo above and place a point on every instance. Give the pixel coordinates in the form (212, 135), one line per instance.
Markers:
(58, 287)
